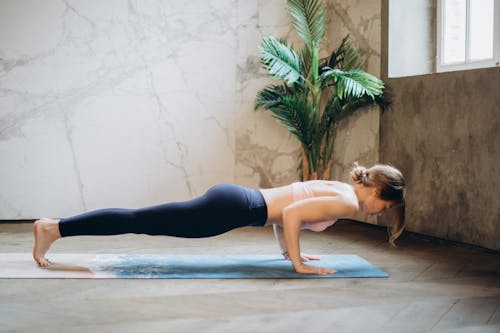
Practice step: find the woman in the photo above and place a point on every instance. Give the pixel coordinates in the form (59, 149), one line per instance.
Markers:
(312, 205)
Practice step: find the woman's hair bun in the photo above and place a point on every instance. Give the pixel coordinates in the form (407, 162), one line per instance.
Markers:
(359, 173)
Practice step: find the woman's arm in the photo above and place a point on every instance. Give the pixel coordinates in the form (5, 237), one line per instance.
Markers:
(311, 210)
(278, 234)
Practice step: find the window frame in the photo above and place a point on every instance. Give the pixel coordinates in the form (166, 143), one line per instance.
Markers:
(494, 62)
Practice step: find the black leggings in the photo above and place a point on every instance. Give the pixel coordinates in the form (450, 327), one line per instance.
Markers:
(222, 208)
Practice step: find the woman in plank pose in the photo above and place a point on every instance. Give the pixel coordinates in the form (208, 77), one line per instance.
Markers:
(313, 205)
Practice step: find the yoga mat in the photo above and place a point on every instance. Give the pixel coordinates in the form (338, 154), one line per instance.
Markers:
(175, 266)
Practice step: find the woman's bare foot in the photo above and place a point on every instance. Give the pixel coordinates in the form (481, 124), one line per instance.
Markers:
(46, 232)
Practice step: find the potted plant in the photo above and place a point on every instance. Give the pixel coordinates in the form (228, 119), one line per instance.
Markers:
(316, 93)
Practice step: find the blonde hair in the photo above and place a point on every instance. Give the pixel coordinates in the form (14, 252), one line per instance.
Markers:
(391, 183)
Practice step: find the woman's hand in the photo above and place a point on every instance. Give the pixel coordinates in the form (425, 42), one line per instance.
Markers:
(303, 257)
(307, 269)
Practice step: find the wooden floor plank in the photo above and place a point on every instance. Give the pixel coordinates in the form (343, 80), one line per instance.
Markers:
(439, 271)
(419, 316)
(469, 312)
(495, 317)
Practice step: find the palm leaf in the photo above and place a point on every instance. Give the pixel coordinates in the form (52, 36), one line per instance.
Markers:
(306, 59)
(350, 59)
(308, 19)
(271, 95)
(294, 111)
(336, 54)
(280, 59)
(349, 106)
(354, 83)
(333, 106)
(346, 57)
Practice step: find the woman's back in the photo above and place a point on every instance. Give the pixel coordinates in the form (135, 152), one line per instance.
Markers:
(280, 197)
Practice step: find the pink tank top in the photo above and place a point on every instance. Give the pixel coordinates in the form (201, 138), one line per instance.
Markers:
(301, 192)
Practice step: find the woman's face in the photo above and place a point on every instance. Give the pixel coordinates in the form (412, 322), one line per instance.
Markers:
(373, 205)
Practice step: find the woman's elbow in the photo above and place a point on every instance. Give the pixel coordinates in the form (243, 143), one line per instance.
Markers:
(290, 216)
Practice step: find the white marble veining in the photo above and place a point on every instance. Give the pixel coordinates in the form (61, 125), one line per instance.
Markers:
(131, 103)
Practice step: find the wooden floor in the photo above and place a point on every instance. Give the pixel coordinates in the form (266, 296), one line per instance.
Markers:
(433, 286)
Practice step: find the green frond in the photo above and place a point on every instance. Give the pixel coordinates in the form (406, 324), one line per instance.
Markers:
(322, 63)
(354, 83)
(333, 107)
(351, 59)
(325, 134)
(271, 96)
(337, 53)
(346, 57)
(295, 112)
(308, 19)
(306, 59)
(280, 59)
(348, 106)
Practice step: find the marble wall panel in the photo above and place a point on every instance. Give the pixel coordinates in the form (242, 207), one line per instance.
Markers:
(130, 103)
(114, 103)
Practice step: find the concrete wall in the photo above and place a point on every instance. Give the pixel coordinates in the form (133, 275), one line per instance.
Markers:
(443, 131)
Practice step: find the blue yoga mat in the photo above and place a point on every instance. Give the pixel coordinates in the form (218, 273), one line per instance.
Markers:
(165, 266)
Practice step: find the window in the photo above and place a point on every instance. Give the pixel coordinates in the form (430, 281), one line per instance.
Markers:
(468, 34)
